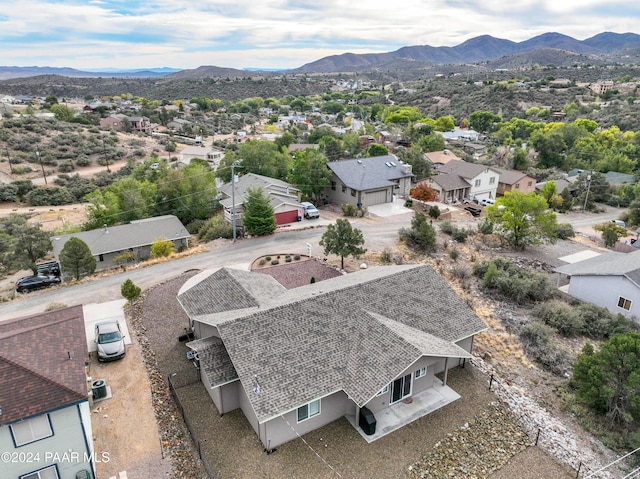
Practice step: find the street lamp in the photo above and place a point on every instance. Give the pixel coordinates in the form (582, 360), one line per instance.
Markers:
(586, 197)
(236, 164)
(41, 165)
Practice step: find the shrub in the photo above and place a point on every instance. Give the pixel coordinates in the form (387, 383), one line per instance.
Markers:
(312, 280)
(215, 228)
(453, 254)
(161, 248)
(83, 160)
(408, 204)
(350, 210)
(565, 231)
(268, 258)
(66, 166)
(560, 316)
(537, 342)
(434, 212)
(461, 271)
(262, 262)
(130, 291)
(485, 226)
(447, 227)
(288, 259)
(460, 235)
(386, 256)
(297, 257)
(275, 262)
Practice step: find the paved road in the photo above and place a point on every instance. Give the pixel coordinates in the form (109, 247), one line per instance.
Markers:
(379, 233)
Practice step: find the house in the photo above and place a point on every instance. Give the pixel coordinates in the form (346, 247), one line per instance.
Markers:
(513, 180)
(110, 242)
(561, 185)
(45, 417)
(460, 134)
(483, 180)
(283, 197)
(610, 280)
(211, 155)
(440, 158)
(122, 122)
(296, 360)
(178, 124)
(450, 188)
(617, 178)
(368, 181)
(140, 123)
(114, 121)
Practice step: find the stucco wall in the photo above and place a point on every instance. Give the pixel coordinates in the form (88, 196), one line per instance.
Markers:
(605, 291)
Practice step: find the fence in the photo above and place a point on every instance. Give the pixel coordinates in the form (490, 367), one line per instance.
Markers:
(537, 432)
(196, 441)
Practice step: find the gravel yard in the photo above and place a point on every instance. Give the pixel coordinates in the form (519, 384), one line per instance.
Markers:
(451, 439)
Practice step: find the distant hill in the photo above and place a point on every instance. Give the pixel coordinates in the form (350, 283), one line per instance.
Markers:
(548, 48)
(484, 48)
(7, 73)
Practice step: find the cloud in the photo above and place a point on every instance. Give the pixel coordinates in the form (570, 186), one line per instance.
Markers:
(276, 33)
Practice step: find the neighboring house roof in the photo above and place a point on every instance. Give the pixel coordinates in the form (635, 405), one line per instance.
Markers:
(465, 169)
(369, 173)
(441, 157)
(608, 264)
(561, 185)
(510, 177)
(450, 182)
(619, 178)
(42, 360)
(355, 332)
(119, 238)
(279, 192)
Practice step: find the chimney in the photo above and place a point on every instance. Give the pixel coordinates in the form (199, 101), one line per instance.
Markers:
(406, 168)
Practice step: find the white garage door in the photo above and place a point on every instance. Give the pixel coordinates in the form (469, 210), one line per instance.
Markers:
(377, 197)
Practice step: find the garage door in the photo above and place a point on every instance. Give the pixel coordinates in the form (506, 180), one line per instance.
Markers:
(287, 217)
(377, 197)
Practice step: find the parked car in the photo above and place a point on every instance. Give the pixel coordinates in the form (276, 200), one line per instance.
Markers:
(109, 340)
(620, 223)
(310, 211)
(487, 202)
(29, 283)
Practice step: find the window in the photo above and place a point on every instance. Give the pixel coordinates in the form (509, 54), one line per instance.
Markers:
(100, 257)
(420, 372)
(517, 186)
(333, 185)
(383, 390)
(492, 180)
(477, 183)
(624, 303)
(45, 473)
(530, 183)
(344, 188)
(353, 192)
(31, 430)
(309, 410)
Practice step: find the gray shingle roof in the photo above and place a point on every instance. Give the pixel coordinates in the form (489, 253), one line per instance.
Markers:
(214, 360)
(608, 264)
(509, 177)
(355, 333)
(279, 192)
(368, 173)
(119, 238)
(450, 182)
(464, 168)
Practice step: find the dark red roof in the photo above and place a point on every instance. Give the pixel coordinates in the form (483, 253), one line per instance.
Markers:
(36, 374)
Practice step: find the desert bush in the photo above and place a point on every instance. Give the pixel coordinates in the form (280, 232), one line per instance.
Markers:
(518, 284)
(83, 160)
(350, 210)
(215, 228)
(66, 167)
(485, 226)
(296, 257)
(275, 262)
(461, 271)
(447, 227)
(453, 254)
(386, 256)
(537, 342)
(161, 248)
(565, 231)
(434, 212)
(561, 316)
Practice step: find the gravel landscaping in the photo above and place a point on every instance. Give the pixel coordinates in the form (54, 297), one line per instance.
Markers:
(472, 437)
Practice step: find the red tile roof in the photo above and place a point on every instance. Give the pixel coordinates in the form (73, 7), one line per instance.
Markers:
(36, 374)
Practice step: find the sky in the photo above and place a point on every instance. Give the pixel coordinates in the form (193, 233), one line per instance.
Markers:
(276, 34)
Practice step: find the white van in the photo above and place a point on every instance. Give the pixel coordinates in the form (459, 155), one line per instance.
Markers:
(487, 202)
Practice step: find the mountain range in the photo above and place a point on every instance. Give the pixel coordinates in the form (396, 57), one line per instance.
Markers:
(484, 48)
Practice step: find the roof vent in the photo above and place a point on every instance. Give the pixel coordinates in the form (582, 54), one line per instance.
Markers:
(256, 385)
(360, 162)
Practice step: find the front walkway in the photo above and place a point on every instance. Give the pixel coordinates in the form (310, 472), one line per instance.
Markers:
(404, 412)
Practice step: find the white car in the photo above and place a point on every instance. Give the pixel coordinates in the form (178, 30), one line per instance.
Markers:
(310, 211)
(109, 340)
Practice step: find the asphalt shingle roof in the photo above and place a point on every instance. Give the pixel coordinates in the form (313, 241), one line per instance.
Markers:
(368, 173)
(36, 374)
(122, 237)
(279, 192)
(608, 264)
(464, 168)
(354, 333)
(450, 182)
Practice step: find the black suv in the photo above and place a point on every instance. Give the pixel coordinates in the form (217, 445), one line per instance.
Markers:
(29, 283)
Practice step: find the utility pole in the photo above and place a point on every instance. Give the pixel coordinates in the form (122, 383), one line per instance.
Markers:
(41, 165)
(9, 159)
(233, 196)
(586, 197)
(104, 153)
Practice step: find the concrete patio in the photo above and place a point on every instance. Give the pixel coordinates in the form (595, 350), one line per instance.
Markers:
(405, 412)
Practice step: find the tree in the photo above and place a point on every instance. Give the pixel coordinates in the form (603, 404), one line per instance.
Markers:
(548, 190)
(310, 173)
(376, 149)
(523, 219)
(483, 121)
(76, 258)
(608, 380)
(258, 217)
(611, 233)
(422, 233)
(30, 243)
(130, 291)
(342, 239)
(423, 192)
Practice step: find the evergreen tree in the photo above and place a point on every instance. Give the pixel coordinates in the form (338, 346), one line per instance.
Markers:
(76, 259)
(258, 218)
(342, 239)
